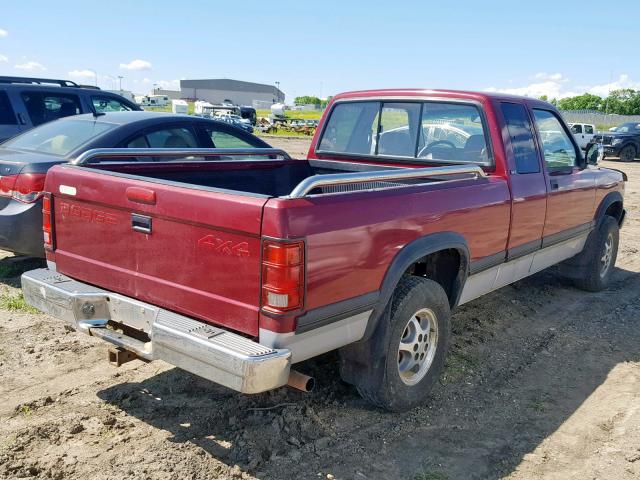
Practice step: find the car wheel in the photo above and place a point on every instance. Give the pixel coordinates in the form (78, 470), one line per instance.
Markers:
(397, 368)
(600, 254)
(628, 153)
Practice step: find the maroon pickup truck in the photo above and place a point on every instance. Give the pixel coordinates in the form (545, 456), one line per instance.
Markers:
(236, 264)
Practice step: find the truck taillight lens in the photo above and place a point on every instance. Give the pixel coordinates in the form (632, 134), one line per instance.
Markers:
(47, 222)
(25, 187)
(282, 276)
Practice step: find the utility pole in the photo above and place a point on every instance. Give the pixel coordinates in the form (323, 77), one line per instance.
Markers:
(278, 92)
(120, 77)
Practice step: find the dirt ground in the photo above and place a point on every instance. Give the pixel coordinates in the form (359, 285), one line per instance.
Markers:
(542, 381)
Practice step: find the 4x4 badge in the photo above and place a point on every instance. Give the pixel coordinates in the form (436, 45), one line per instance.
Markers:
(226, 247)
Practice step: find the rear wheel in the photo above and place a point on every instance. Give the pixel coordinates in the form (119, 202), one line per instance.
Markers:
(399, 365)
(600, 257)
(628, 153)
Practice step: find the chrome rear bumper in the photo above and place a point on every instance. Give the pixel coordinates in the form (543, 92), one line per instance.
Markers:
(210, 352)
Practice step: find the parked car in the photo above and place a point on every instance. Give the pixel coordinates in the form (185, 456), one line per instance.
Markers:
(237, 121)
(236, 271)
(583, 133)
(624, 142)
(25, 159)
(28, 102)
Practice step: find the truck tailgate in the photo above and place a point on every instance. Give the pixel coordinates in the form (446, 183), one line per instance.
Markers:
(200, 256)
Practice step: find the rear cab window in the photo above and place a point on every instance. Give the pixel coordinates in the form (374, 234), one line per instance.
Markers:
(438, 131)
(44, 107)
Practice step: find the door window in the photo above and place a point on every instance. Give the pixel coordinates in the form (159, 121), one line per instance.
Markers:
(588, 129)
(165, 138)
(577, 128)
(45, 107)
(227, 140)
(7, 115)
(521, 135)
(557, 148)
(108, 104)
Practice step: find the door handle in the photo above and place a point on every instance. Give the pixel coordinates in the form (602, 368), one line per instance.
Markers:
(554, 185)
(141, 223)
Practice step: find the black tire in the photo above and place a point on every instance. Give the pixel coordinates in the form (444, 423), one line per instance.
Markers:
(374, 366)
(628, 153)
(594, 274)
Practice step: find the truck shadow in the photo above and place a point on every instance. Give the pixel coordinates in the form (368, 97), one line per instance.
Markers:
(523, 361)
(11, 268)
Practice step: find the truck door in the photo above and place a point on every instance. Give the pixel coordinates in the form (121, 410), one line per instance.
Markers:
(528, 182)
(572, 194)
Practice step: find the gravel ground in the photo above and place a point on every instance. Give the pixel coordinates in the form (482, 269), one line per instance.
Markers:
(542, 381)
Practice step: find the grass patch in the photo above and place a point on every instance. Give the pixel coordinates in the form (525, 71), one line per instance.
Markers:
(25, 410)
(15, 303)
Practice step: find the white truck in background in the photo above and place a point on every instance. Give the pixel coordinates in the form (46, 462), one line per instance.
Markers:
(583, 133)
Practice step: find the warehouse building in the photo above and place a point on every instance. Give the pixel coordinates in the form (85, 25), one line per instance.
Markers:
(234, 91)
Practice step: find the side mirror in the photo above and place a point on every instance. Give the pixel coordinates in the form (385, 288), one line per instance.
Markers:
(594, 154)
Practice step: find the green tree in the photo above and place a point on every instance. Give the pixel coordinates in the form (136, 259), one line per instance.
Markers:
(307, 100)
(625, 101)
(586, 101)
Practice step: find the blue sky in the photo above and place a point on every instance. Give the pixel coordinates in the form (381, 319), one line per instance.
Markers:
(558, 48)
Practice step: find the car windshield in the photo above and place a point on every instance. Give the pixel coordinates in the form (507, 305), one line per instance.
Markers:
(59, 138)
(628, 128)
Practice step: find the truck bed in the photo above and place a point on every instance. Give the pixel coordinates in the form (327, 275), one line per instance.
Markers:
(275, 178)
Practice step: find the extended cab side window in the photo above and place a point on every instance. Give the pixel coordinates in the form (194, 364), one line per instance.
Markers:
(45, 107)
(588, 129)
(557, 148)
(521, 136)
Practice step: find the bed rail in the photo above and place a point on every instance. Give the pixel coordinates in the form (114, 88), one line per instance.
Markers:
(108, 153)
(380, 179)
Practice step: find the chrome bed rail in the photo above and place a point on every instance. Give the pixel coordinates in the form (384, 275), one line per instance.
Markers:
(378, 178)
(107, 153)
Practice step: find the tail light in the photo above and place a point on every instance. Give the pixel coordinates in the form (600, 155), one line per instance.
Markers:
(47, 222)
(25, 187)
(282, 276)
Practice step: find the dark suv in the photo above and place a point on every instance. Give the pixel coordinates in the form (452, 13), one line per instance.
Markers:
(623, 142)
(28, 102)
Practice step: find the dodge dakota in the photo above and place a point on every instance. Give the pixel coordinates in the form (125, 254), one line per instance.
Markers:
(237, 264)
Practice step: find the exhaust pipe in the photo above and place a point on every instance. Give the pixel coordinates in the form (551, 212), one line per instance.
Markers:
(300, 381)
